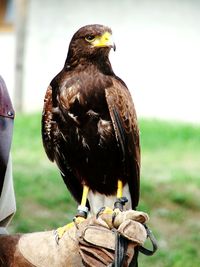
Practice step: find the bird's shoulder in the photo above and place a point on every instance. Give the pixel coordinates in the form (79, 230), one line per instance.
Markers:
(87, 78)
(87, 85)
(120, 103)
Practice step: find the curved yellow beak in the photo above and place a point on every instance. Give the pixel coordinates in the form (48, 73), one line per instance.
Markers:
(104, 40)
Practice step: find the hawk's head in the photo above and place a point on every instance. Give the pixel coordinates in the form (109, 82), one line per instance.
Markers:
(91, 41)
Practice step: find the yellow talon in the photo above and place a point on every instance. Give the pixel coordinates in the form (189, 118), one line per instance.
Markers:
(107, 210)
(82, 209)
(104, 210)
(61, 230)
(78, 220)
(117, 211)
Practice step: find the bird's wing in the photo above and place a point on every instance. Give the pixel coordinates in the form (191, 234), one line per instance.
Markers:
(48, 125)
(123, 115)
(51, 141)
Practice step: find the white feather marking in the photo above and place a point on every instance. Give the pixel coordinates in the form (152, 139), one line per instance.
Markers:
(98, 200)
(73, 117)
(84, 143)
(63, 136)
(104, 122)
(70, 89)
(77, 134)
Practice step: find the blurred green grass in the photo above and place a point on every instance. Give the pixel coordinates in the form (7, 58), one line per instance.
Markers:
(170, 187)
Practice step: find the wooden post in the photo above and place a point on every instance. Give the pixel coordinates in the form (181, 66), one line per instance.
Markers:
(20, 24)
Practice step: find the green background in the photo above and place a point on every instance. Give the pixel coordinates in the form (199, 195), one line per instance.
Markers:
(170, 187)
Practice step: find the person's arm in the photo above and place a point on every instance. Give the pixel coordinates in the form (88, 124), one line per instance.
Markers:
(7, 198)
(90, 243)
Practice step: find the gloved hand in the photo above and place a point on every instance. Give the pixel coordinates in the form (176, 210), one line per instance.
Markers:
(90, 243)
(97, 238)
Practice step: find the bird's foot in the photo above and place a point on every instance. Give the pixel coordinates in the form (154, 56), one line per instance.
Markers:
(104, 210)
(120, 203)
(118, 207)
(62, 230)
(80, 217)
(59, 232)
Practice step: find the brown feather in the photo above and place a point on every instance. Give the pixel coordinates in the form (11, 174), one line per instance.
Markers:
(119, 100)
(47, 124)
(89, 122)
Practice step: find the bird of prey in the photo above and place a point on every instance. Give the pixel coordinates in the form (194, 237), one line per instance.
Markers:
(89, 124)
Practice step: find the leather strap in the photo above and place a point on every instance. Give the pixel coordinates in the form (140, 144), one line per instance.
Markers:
(150, 235)
(6, 129)
(120, 250)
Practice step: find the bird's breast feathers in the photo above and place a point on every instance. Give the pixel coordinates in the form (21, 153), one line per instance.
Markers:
(83, 96)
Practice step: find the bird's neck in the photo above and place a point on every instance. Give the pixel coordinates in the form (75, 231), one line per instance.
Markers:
(101, 63)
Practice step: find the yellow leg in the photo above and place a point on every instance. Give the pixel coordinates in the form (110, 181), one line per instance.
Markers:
(119, 189)
(82, 209)
(117, 205)
(120, 202)
(82, 213)
(84, 195)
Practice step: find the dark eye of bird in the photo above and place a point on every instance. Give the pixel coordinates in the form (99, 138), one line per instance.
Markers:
(89, 38)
